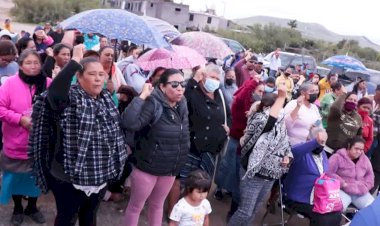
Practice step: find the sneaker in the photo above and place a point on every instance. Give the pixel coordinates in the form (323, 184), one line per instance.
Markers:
(218, 194)
(36, 216)
(17, 219)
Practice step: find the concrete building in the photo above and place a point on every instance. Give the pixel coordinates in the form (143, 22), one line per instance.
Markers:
(173, 13)
(176, 14)
(201, 20)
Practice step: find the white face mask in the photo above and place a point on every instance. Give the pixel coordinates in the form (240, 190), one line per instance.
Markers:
(211, 85)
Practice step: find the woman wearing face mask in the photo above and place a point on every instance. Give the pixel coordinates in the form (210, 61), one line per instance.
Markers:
(343, 122)
(302, 114)
(206, 118)
(270, 85)
(229, 87)
(364, 110)
(310, 162)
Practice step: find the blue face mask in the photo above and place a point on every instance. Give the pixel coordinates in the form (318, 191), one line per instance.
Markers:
(268, 89)
(211, 85)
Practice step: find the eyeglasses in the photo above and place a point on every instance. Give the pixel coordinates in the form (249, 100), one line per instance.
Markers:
(175, 84)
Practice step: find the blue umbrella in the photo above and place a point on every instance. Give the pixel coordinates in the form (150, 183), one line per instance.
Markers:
(368, 216)
(345, 62)
(166, 29)
(117, 24)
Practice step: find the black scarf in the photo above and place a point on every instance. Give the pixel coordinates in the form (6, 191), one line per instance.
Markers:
(39, 81)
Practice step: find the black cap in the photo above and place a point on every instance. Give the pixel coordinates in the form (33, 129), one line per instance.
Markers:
(378, 88)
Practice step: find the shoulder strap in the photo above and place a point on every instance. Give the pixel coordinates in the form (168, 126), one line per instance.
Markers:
(224, 106)
(158, 109)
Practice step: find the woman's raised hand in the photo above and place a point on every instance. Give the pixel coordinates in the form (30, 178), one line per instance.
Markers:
(78, 52)
(146, 91)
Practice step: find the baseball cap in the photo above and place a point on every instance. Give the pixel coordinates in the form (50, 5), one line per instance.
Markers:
(38, 28)
(5, 32)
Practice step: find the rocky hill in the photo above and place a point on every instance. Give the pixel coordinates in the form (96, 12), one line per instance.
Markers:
(309, 30)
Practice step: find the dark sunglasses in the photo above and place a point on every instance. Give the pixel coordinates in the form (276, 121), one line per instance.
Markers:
(175, 84)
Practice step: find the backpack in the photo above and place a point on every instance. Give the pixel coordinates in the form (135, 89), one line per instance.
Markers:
(142, 133)
(327, 195)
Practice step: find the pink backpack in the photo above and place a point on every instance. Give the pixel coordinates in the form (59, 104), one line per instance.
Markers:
(326, 195)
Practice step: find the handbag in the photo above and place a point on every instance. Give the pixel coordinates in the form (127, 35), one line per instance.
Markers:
(225, 145)
(327, 195)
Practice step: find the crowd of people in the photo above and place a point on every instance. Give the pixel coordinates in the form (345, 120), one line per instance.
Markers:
(81, 119)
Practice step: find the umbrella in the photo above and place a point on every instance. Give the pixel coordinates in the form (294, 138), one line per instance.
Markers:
(368, 216)
(180, 58)
(116, 24)
(206, 44)
(189, 55)
(344, 62)
(354, 74)
(166, 29)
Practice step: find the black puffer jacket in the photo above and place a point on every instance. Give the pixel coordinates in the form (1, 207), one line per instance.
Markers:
(163, 144)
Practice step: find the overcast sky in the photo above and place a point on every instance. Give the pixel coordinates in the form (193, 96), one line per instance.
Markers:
(342, 17)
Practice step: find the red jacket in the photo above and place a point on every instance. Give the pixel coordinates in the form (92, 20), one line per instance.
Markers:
(367, 130)
(241, 103)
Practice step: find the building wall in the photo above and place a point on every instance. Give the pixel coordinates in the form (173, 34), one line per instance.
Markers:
(201, 20)
(176, 14)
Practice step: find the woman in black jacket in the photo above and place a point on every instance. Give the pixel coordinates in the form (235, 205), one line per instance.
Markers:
(160, 118)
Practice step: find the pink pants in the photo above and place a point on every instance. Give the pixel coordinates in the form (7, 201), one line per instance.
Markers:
(146, 187)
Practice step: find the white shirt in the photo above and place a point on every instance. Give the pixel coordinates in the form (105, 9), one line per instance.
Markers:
(188, 215)
(275, 63)
(299, 129)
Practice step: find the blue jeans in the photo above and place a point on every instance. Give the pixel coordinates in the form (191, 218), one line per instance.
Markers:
(253, 194)
(272, 73)
(227, 175)
(359, 201)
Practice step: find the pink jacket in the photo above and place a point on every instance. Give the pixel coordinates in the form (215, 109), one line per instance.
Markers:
(15, 101)
(355, 179)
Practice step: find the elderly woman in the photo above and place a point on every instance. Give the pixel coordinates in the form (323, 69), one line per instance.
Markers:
(354, 171)
(160, 117)
(310, 162)
(343, 122)
(83, 148)
(16, 99)
(207, 121)
(302, 114)
(265, 156)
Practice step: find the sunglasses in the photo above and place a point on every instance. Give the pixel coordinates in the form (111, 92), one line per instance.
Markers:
(175, 84)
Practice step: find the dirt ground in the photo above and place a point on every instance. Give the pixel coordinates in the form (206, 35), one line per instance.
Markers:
(112, 213)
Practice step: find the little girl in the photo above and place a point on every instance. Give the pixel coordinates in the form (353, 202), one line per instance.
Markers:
(193, 209)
